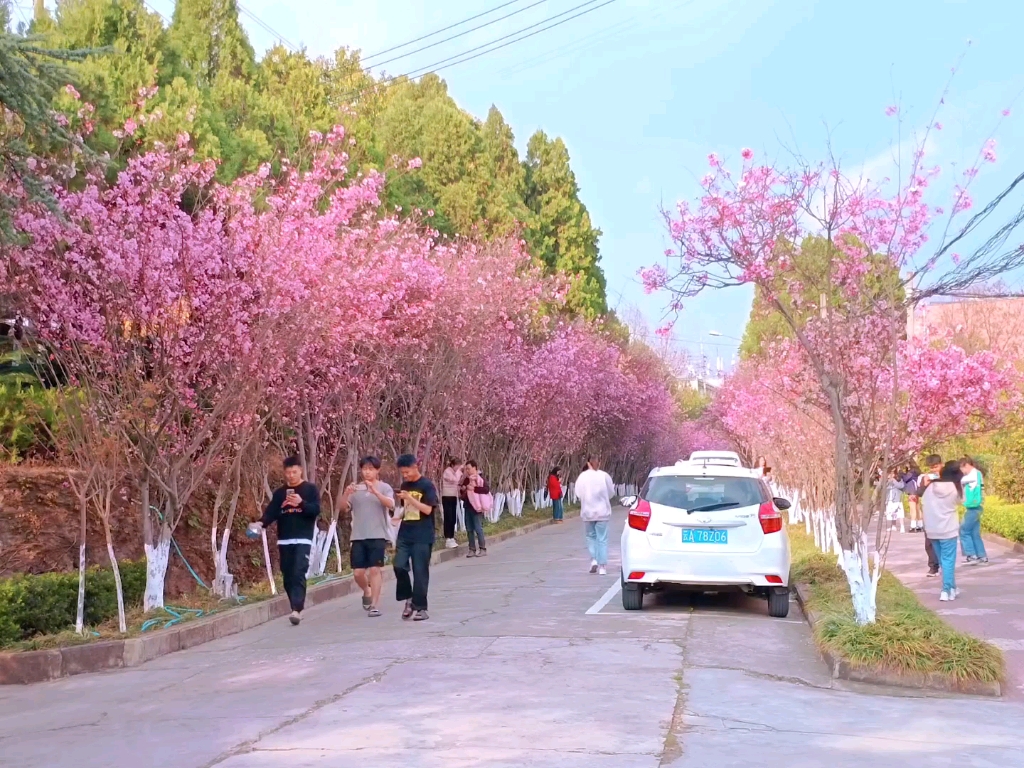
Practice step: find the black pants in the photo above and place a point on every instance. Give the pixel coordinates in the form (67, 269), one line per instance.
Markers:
(451, 505)
(294, 563)
(414, 556)
(933, 556)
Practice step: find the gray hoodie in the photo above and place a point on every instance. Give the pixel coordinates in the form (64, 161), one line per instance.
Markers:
(940, 500)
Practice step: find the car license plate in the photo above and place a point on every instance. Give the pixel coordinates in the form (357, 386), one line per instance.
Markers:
(705, 536)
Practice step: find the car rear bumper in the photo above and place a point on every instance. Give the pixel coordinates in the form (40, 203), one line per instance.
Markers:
(711, 569)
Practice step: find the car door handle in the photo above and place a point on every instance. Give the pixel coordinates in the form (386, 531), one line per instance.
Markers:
(723, 524)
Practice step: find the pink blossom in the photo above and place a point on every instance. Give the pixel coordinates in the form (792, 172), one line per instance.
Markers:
(891, 110)
(1006, 113)
(414, 164)
(713, 160)
(747, 154)
(938, 126)
(71, 91)
(988, 152)
(130, 126)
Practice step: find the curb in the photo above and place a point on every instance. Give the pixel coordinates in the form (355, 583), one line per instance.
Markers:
(841, 669)
(39, 666)
(995, 538)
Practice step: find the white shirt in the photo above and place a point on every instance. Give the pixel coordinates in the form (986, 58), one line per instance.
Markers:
(594, 488)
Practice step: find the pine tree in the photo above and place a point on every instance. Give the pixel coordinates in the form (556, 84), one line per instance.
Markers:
(560, 232)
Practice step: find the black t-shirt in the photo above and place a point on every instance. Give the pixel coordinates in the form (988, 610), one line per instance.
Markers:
(418, 528)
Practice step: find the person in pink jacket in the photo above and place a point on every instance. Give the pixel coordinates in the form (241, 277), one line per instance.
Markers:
(473, 486)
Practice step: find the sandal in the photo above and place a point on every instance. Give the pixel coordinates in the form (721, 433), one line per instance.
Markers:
(373, 612)
(407, 613)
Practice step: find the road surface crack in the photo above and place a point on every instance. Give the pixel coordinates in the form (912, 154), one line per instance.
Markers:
(249, 745)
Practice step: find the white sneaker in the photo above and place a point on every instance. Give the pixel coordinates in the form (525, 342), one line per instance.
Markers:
(955, 593)
(602, 571)
(451, 544)
(593, 566)
(944, 597)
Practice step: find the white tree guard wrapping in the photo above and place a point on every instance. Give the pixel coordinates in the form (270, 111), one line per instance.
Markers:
(266, 561)
(157, 558)
(499, 506)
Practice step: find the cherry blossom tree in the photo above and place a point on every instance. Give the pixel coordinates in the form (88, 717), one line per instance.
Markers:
(841, 261)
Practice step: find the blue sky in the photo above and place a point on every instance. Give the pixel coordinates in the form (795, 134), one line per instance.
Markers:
(643, 90)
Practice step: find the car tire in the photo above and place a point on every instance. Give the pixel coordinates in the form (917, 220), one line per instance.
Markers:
(778, 603)
(632, 597)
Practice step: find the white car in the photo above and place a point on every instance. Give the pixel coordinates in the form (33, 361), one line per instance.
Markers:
(709, 527)
(727, 458)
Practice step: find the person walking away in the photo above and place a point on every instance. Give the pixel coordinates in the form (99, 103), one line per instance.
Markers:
(415, 541)
(450, 500)
(294, 507)
(555, 494)
(371, 504)
(973, 485)
(909, 479)
(762, 464)
(934, 462)
(473, 486)
(942, 524)
(595, 489)
(894, 502)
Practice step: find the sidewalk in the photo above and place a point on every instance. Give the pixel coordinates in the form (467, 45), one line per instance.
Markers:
(991, 606)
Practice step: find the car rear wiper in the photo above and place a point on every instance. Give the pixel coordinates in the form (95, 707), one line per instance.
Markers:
(712, 507)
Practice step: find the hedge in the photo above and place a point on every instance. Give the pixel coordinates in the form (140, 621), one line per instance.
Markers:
(47, 603)
(1002, 519)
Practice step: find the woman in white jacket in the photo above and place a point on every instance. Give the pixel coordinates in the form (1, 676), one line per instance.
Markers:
(940, 500)
(595, 489)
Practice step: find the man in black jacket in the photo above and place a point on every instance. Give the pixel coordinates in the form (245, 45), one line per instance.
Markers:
(295, 508)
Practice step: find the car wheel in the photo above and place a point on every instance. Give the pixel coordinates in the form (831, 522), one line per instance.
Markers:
(632, 597)
(778, 603)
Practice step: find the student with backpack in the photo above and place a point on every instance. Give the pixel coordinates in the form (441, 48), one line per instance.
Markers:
(971, 543)
(476, 500)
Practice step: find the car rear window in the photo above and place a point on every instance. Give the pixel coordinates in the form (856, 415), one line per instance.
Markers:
(693, 492)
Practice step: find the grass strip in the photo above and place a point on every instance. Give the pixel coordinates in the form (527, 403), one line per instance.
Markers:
(906, 637)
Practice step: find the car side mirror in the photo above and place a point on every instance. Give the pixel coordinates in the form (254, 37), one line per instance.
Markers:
(627, 501)
(782, 504)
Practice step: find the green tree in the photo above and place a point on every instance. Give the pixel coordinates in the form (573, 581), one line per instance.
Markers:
(560, 232)
(210, 42)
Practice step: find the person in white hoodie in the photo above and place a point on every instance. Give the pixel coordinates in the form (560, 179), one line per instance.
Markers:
(595, 489)
(942, 523)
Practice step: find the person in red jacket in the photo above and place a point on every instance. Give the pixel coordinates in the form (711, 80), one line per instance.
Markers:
(555, 492)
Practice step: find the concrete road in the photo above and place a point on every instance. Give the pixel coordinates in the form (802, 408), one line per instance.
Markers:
(527, 661)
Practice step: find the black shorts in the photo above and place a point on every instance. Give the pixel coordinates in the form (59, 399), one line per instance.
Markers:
(367, 553)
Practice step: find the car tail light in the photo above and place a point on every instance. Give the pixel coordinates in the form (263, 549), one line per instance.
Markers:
(770, 517)
(640, 517)
(773, 579)
(636, 575)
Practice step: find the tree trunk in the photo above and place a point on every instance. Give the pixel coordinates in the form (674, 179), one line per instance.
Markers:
(157, 557)
(863, 579)
(266, 561)
(122, 626)
(80, 611)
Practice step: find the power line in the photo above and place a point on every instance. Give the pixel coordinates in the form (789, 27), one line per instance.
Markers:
(451, 61)
(453, 37)
(267, 27)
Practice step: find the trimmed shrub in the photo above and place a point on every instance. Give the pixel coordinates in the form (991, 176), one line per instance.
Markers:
(44, 604)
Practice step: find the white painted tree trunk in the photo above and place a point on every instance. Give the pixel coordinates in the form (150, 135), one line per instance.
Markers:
(862, 576)
(157, 557)
(500, 499)
(516, 501)
(314, 553)
(325, 548)
(337, 550)
(80, 612)
(266, 561)
(460, 513)
(223, 582)
(122, 626)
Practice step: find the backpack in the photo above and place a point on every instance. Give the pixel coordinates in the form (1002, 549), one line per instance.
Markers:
(481, 500)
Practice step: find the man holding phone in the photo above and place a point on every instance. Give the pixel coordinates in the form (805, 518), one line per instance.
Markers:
(418, 497)
(371, 504)
(295, 508)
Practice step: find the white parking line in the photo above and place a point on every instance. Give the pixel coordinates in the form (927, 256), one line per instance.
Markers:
(606, 598)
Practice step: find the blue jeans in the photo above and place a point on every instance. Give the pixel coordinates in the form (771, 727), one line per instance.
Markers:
(946, 550)
(474, 526)
(556, 509)
(970, 533)
(597, 540)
